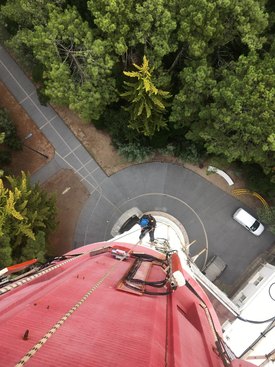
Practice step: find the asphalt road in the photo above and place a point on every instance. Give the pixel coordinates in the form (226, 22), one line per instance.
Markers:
(203, 209)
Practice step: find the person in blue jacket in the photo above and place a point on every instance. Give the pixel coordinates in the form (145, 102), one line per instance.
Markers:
(148, 224)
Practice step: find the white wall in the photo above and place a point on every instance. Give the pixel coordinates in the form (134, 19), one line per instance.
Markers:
(255, 303)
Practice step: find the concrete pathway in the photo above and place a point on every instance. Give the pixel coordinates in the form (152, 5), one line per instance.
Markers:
(204, 210)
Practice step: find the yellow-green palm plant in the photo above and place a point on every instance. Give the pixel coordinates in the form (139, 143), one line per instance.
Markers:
(27, 216)
(147, 102)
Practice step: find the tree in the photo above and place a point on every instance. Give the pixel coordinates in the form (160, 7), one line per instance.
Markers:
(27, 216)
(77, 66)
(197, 82)
(206, 25)
(136, 28)
(27, 13)
(239, 122)
(147, 102)
(114, 21)
(155, 30)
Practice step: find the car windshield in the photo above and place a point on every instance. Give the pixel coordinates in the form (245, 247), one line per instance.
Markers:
(255, 225)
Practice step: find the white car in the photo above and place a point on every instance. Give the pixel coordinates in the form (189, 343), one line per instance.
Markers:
(248, 221)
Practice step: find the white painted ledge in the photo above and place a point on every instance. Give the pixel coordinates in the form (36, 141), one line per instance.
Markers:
(221, 173)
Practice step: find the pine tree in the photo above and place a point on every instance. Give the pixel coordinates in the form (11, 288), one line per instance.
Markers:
(208, 25)
(239, 122)
(77, 65)
(145, 27)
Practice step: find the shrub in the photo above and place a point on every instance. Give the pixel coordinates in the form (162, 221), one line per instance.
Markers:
(168, 150)
(267, 216)
(11, 139)
(219, 162)
(43, 98)
(190, 155)
(37, 73)
(134, 152)
(116, 120)
(5, 157)
(160, 139)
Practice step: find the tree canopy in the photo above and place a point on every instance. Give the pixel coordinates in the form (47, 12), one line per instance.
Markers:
(233, 115)
(133, 27)
(215, 57)
(77, 66)
(238, 119)
(207, 25)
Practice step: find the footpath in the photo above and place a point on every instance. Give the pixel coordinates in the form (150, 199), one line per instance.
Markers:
(69, 152)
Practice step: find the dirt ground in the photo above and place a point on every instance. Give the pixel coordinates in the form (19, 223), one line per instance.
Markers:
(71, 194)
(27, 160)
(97, 142)
(70, 199)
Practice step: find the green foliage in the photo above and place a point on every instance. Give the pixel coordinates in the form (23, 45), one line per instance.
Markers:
(37, 73)
(5, 157)
(240, 121)
(257, 181)
(35, 248)
(5, 252)
(206, 25)
(187, 152)
(197, 82)
(116, 120)
(8, 138)
(2, 138)
(135, 152)
(145, 27)
(27, 216)
(170, 149)
(216, 56)
(190, 154)
(26, 13)
(147, 102)
(77, 65)
(8, 129)
(267, 216)
(113, 19)
(219, 162)
(43, 98)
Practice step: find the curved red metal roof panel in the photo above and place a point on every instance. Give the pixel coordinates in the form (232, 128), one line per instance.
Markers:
(72, 314)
